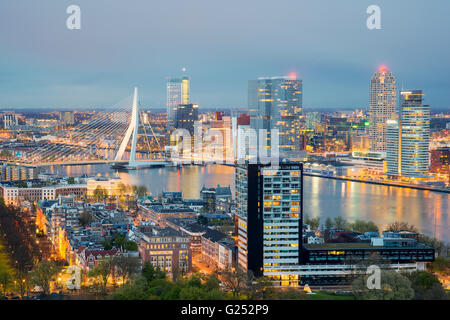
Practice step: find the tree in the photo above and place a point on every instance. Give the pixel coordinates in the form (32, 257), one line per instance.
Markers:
(360, 226)
(122, 190)
(314, 223)
(212, 283)
(102, 272)
(22, 282)
(130, 246)
(328, 223)
(136, 289)
(107, 245)
(402, 226)
(394, 286)
(119, 240)
(71, 180)
(151, 273)
(437, 245)
(340, 223)
(201, 219)
(5, 280)
(100, 193)
(260, 288)
(441, 265)
(427, 286)
(234, 280)
(43, 273)
(140, 191)
(126, 266)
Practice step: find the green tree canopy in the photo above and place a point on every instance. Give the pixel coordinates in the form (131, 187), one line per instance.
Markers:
(394, 286)
(43, 273)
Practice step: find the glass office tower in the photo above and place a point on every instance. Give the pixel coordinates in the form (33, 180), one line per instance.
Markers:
(177, 94)
(415, 134)
(381, 107)
(276, 103)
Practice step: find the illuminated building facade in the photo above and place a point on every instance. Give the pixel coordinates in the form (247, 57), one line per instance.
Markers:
(440, 160)
(381, 108)
(177, 93)
(415, 134)
(268, 220)
(14, 194)
(276, 103)
(392, 147)
(165, 248)
(408, 138)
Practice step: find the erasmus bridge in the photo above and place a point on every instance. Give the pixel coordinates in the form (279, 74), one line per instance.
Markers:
(116, 136)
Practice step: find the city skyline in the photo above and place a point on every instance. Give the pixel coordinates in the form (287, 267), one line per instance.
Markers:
(224, 152)
(71, 76)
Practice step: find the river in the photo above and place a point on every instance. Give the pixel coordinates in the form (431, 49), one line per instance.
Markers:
(323, 198)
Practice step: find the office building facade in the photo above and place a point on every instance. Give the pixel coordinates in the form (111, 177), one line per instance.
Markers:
(268, 220)
(177, 94)
(185, 117)
(407, 152)
(276, 103)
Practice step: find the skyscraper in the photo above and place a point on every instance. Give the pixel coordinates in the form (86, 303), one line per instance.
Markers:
(185, 116)
(269, 220)
(415, 133)
(177, 93)
(381, 108)
(276, 103)
(408, 139)
(393, 159)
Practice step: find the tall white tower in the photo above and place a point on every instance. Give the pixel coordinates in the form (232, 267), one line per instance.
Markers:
(382, 107)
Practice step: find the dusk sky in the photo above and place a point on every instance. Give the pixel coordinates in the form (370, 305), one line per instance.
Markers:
(223, 44)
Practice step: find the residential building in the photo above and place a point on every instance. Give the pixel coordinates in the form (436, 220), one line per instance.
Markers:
(165, 248)
(13, 193)
(217, 249)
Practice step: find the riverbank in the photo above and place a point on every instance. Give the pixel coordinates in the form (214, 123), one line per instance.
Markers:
(382, 183)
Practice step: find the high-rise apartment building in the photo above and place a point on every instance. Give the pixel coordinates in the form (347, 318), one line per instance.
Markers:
(381, 108)
(276, 103)
(408, 139)
(268, 220)
(177, 93)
